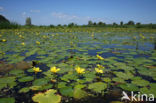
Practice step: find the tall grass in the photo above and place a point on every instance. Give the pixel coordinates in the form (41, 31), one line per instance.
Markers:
(9, 25)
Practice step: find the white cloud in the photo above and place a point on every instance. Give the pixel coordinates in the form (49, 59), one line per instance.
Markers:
(34, 11)
(64, 18)
(1, 8)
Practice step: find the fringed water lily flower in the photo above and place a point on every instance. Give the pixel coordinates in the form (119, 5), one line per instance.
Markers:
(3, 40)
(23, 43)
(98, 70)
(99, 57)
(37, 42)
(54, 69)
(80, 70)
(100, 66)
(37, 69)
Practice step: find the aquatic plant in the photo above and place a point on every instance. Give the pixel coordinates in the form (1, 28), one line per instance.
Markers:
(99, 57)
(54, 69)
(36, 70)
(80, 70)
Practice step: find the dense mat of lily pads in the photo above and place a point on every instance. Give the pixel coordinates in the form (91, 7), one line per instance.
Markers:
(76, 63)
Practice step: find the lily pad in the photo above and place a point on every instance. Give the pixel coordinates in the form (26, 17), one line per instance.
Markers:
(141, 82)
(26, 79)
(16, 72)
(9, 81)
(62, 84)
(125, 76)
(79, 93)
(24, 90)
(129, 87)
(97, 87)
(106, 80)
(7, 100)
(67, 91)
(39, 82)
(47, 97)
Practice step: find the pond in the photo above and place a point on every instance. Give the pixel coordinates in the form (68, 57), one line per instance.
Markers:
(76, 65)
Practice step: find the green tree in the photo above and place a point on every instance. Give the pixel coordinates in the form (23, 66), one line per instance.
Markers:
(28, 21)
(131, 23)
(100, 23)
(121, 23)
(115, 24)
(90, 23)
(94, 23)
(138, 25)
(71, 24)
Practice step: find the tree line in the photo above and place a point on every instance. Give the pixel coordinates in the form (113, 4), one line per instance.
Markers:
(6, 24)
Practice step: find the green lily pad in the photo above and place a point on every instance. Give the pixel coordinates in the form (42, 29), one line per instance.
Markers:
(16, 72)
(125, 76)
(67, 91)
(48, 74)
(24, 90)
(79, 93)
(41, 87)
(97, 87)
(69, 76)
(129, 87)
(3, 86)
(141, 82)
(10, 81)
(47, 97)
(106, 80)
(30, 70)
(62, 84)
(7, 100)
(39, 82)
(116, 79)
(26, 79)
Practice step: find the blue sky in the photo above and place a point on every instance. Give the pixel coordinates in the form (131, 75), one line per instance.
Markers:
(45, 12)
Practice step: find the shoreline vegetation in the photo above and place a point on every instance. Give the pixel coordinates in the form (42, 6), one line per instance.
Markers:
(6, 24)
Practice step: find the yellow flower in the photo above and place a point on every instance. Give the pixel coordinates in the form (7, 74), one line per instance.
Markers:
(20, 36)
(143, 37)
(3, 40)
(37, 69)
(134, 37)
(37, 42)
(23, 43)
(99, 66)
(98, 70)
(54, 69)
(99, 57)
(80, 70)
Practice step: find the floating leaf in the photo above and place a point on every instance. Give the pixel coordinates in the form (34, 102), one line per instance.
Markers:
(79, 93)
(30, 70)
(16, 72)
(10, 81)
(129, 87)
(97, 87)
(141, 82)
(47, 97)
(62, 84)
(125, 76)
(106, 79)
(67, 91)
(39, 82)
(7, 100)
(24, 90)
(26, 79)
